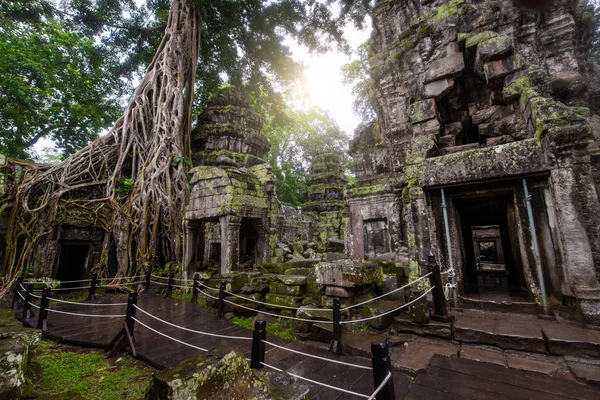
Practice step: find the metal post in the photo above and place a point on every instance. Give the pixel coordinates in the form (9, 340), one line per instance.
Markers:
(44, 304)
(18, 288)
(170, 286)
(536, 249)
(449, 246)
(147, 285)
(195, 288)
(93, 284)
(336, 346)
(259, 335)
(439, 300)
(130, 314)
(221, 305)
(26, 305)
(382, 366)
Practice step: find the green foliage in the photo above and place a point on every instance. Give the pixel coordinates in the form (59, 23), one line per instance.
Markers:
(89, 374)
(356, 73)
(282, 327)
(124, 186)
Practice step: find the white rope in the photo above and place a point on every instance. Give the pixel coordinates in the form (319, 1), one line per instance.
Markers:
(317, 382)
(72, 288)
(167, 336)
(19, 293)
(86, 304)
(208, 295)
(390, 311)
(159, 277)
(86, 315)
(190, 330)
(276, 305)
(277, 315)
(160, 283)
(208, 287)
(35, 296)
(77, 281)
(383, 295)
(182, 287)
(381, 385)
(318, 357)
(120, 278)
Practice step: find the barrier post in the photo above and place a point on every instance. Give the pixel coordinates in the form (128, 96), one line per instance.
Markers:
(147, 284)
(195, 288)
(440, 310)
(92, 295)
(381, 367)
(26, 305)
(170, 285)
(44, 304)
(130, 314)
(259, 335)
(336, 346)
(17, 298)
(221, 305)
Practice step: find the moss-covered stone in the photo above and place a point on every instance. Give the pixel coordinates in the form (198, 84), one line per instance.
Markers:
(282, 288)
(283, 300)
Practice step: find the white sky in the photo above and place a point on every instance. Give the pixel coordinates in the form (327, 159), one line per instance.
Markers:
(324, 79)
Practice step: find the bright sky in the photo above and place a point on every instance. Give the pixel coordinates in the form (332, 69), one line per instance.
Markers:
(324, 79)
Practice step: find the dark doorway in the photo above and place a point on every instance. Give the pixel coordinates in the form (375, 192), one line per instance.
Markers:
(376, 239)
(214, 256)
(72, 263)
(249, 236)
(488, 239)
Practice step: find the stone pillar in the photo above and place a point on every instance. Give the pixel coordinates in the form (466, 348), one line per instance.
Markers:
(574, 215)
(189, 240)
(230, 243)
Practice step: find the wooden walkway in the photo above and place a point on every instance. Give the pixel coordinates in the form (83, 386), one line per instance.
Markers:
(446, 378)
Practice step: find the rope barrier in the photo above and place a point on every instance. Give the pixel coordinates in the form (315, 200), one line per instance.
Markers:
(208, 287)
(182, 287)
(33, 305)
(35, 296)
(383, 295)
(86, 304)
(72, 288)
(159, 277)
(121, 278)
(20, 295)
(167, 336)
(191, 330)
(277, 315)
(208, 295)
(160, 283)
(276, 305)
(318, 383)
(318, 357)
(381, 385)
(390, 311)
(86, 315)
(77, 281)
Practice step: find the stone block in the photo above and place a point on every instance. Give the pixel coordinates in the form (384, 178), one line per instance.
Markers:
(403, 323)
(503, 67)
(2, 159)
(283, 300)
(379, 308)
(431, 127)
(447, 67)
(421, 111)
(447, 141)
(13, 364)
(495, 48)
(490, 114)
(292, 280)
(338, 291)
(281, 288)
(438, 88)
(219, 375)
(257, 284)
(348, 274)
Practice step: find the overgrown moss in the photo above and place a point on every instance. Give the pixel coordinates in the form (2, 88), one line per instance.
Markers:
(91, 375)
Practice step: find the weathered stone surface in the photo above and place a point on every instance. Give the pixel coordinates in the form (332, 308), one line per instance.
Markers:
(566, 339)
(348, 274)
(380, 308)
(585, 370)
(438, 88)
(283, 300)
(503, 67)
(421, 111)
(223, 375)
(292, 280)
(450, 66)
(487, 354)
(338, 291)
(414, 357)
(13, 363)
(403, 323)
(282, 288)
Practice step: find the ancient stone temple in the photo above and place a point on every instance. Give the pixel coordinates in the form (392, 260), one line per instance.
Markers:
(227, 220)
(485, 149)
(326, 185)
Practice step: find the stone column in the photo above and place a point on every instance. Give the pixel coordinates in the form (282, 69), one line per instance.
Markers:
(230, 243)
(574, 214)
(189, 240)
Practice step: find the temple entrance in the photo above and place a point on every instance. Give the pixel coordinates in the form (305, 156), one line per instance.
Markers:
(489, 233)
(249, 236)
(72, 261)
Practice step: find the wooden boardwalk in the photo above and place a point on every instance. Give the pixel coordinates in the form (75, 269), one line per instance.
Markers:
(446, 378)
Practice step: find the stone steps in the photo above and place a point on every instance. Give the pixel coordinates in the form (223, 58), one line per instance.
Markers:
(521, 332)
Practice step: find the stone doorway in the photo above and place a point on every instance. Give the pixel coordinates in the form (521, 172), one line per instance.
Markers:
(489, 235)
(249, 239)
(72, 262)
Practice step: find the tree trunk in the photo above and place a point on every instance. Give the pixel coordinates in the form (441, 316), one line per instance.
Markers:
(149, 145)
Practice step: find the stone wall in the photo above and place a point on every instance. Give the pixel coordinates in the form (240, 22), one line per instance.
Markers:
(480, 93)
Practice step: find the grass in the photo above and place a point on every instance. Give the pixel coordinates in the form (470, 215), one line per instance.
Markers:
(284, 328)
(60, 369)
